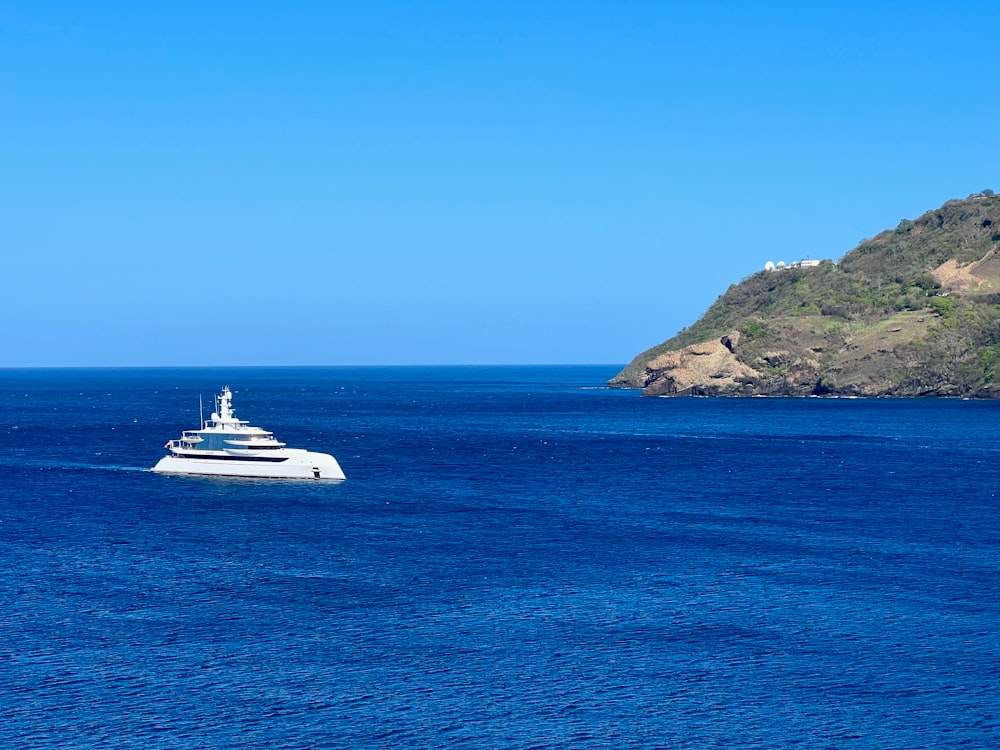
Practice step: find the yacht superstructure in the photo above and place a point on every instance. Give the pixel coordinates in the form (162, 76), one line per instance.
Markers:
(227, 446)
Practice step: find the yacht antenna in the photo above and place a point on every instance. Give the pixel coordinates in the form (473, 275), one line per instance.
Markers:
(201, 412)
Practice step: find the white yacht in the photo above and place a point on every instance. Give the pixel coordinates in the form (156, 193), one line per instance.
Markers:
(227, 446)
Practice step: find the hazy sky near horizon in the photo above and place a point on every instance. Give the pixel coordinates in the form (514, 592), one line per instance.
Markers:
(330, 183)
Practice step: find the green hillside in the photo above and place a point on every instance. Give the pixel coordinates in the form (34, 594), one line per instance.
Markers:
(912, 311)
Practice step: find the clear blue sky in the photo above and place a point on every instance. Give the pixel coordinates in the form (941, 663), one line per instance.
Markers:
(455, 182)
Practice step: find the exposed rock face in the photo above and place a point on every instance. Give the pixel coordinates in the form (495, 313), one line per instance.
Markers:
(914, 311)
(700, 369)
(976, 277)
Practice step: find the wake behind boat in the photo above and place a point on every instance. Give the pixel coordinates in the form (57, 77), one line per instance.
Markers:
(227, 446)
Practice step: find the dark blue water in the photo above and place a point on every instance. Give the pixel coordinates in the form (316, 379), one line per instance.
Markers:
(519, 558)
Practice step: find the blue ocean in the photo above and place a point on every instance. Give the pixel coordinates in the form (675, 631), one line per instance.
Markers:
(519, 558)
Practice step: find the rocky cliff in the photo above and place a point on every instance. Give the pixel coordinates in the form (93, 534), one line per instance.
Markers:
(914, 311)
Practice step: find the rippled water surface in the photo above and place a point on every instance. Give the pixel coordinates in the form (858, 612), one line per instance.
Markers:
(519, 558)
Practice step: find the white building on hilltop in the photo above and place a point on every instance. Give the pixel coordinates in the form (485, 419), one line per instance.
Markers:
(781, 265)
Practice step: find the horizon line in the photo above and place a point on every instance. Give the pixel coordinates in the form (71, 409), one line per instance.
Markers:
(300, 366)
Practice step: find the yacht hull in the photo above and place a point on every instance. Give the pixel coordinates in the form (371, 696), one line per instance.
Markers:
(288, 463)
